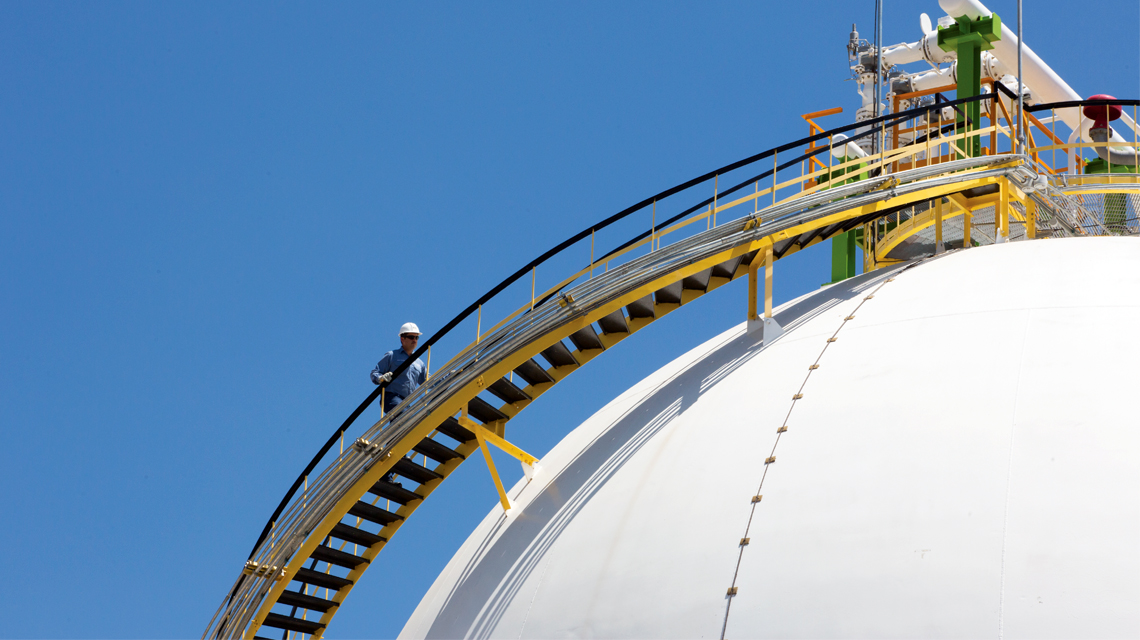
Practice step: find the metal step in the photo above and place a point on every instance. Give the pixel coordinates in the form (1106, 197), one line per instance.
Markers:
(533, 373)
(326, 580)
(338, 557)
(670, 294)
(727, 269)
(506, 391)
(558, 355)
(355, 536)
(641, 308)
(436, 451)
(415, 472)
(394, 492)
(614, 323)
(312, 603)
(482, 411)
(452, 429)
(292, 624)
(586, 338)
(698, 281)
(372, 513)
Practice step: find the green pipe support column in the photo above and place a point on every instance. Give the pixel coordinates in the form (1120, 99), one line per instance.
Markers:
(843, 255)
(970, 38)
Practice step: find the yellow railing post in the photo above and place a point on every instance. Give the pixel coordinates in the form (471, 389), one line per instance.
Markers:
(1108, 149)
(775, 154)
(768, 282)
(938, 225)
(927, 152)
(1053, 123)
(830, 156)
(591, 253)
(752, 284)
(1001, 216)
(1030, 218)
(866, 247)
(716, 190)
(653, 229)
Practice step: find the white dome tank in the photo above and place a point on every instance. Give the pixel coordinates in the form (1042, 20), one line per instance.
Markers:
(964, 462)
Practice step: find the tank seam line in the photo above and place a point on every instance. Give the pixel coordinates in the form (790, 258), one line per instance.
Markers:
(757, 497)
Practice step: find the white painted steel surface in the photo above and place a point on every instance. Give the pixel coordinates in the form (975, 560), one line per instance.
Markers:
(964, 463)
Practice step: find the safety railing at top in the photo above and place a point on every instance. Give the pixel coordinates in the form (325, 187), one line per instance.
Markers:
(941, 142)
(1076, 171)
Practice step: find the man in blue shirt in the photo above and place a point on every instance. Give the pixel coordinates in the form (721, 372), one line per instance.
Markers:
(412, 377)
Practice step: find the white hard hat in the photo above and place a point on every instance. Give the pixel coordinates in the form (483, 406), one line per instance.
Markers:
(409, 327)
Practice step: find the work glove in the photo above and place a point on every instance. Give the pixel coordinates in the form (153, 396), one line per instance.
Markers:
(387, 377)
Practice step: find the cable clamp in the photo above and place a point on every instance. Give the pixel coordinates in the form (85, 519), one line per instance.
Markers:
(889, 183)
(368, 447)
(252, 568)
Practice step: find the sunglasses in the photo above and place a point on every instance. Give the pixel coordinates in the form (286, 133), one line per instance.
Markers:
(410, 336)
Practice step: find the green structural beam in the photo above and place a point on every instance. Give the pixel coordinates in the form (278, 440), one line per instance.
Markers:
(843, 245)
(842, 257)
(970, 38)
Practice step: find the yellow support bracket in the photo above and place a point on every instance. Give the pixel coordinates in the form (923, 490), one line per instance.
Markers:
(484, 435)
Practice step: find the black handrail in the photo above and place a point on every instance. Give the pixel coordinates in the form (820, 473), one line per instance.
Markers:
(888, 120)
(1082, 103)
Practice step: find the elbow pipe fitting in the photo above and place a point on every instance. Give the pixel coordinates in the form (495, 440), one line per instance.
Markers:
(1109, 154)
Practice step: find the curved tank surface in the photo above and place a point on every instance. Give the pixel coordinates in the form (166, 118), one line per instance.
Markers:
(960, 459)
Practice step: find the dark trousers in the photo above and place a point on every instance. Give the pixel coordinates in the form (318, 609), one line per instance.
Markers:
(391, 400)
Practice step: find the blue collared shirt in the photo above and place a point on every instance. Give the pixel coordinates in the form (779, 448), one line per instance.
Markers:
(406, 382)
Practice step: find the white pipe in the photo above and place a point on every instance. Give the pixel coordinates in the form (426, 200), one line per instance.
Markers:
(902, 53)
(1073, 137)
(933, 79)
(850, 149)
(925, 49)
(1038, 75)
(1045, 82)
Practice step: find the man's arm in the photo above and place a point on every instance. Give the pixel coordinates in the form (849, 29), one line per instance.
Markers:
(382, 372)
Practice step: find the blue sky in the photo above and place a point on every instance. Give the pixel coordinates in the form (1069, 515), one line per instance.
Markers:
(215, 218)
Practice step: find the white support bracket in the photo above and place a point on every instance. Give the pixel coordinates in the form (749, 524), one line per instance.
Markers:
(768, 329)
